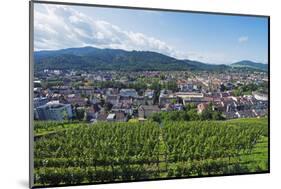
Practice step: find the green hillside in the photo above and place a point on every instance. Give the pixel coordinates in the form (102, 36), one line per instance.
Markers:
(106, 152)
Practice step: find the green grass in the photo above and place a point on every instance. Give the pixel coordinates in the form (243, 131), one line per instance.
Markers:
(258, 159)
(42, 128)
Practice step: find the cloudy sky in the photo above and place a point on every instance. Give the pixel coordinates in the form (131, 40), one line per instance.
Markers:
(209, 38)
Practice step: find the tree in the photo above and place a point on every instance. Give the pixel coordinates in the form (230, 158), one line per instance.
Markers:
(216, 115)
(193, 115)
(156, 117)
(155, 86)
(80, 113)
(174, 101)
(190, 106)
(64, 115)
(107, 106)
(172, 85)
(222, 88)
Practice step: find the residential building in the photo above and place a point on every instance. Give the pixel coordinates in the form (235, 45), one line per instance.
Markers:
(146, 111)
(128, 92)
(54, 111)
(40, 101)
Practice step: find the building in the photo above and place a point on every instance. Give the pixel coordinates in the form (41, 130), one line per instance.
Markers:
(126, 100)
(102, 116)
(120, 107)
(112, 99)
(166, 97)
(146, 111)
(128, 92)
(65, 90)
(91, 114)
(40, 101)
(121, 117)
(260, 96)
(140, 100)
(149, 96)
(110, 117)
(149, 93)
(201, 107)
(111, 91)
(187, 87)
(54, 111)
(76, 100)
(191, 97)
(86, 90)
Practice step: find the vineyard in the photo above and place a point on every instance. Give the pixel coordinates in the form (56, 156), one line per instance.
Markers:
(105, 152)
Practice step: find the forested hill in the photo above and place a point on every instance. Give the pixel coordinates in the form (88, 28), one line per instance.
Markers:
(250, 64)
(90, 58)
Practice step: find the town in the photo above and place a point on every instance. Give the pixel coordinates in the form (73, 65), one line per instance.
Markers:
(126, 96)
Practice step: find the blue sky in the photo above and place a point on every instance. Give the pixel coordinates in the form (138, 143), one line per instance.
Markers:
(210, 38)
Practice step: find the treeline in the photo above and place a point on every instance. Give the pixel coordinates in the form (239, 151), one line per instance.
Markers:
(189, 113)
(247, 89)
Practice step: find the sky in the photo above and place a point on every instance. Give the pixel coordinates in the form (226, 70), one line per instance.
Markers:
(209, 38)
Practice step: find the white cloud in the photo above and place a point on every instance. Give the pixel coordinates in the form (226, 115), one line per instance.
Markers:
(243, 39)
(57, 27)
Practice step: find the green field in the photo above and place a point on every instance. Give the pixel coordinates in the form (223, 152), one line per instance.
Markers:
(73, 153)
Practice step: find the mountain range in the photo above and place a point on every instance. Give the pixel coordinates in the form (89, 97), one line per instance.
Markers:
(90, 58)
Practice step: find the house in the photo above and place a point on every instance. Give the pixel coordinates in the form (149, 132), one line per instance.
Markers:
(177, 107)
(167, 107)
(201, 107)
(140, 100)
(191, 97)
(149, 96)
(228, 105)
(120, 107)
(86, 90)
(112, 99)
(91, 114)
(230, 115)
(111, 91)
(187, 87)
(128, 92)
(261, 112)
(40, 101)
(61, 89)
(149, 93)
(145, 111)
(54, 111)
(77, 100)
(260, 96)
(246, 114)
(163, 100)
(225, 94)
(121, 117)
(37, 91)
(166, 97)
(125, 100)
(110, 117)
(102, 116)
(95, 100)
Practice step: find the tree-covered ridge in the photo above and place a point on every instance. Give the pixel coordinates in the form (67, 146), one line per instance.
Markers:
(250, 65)
(90, 58)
